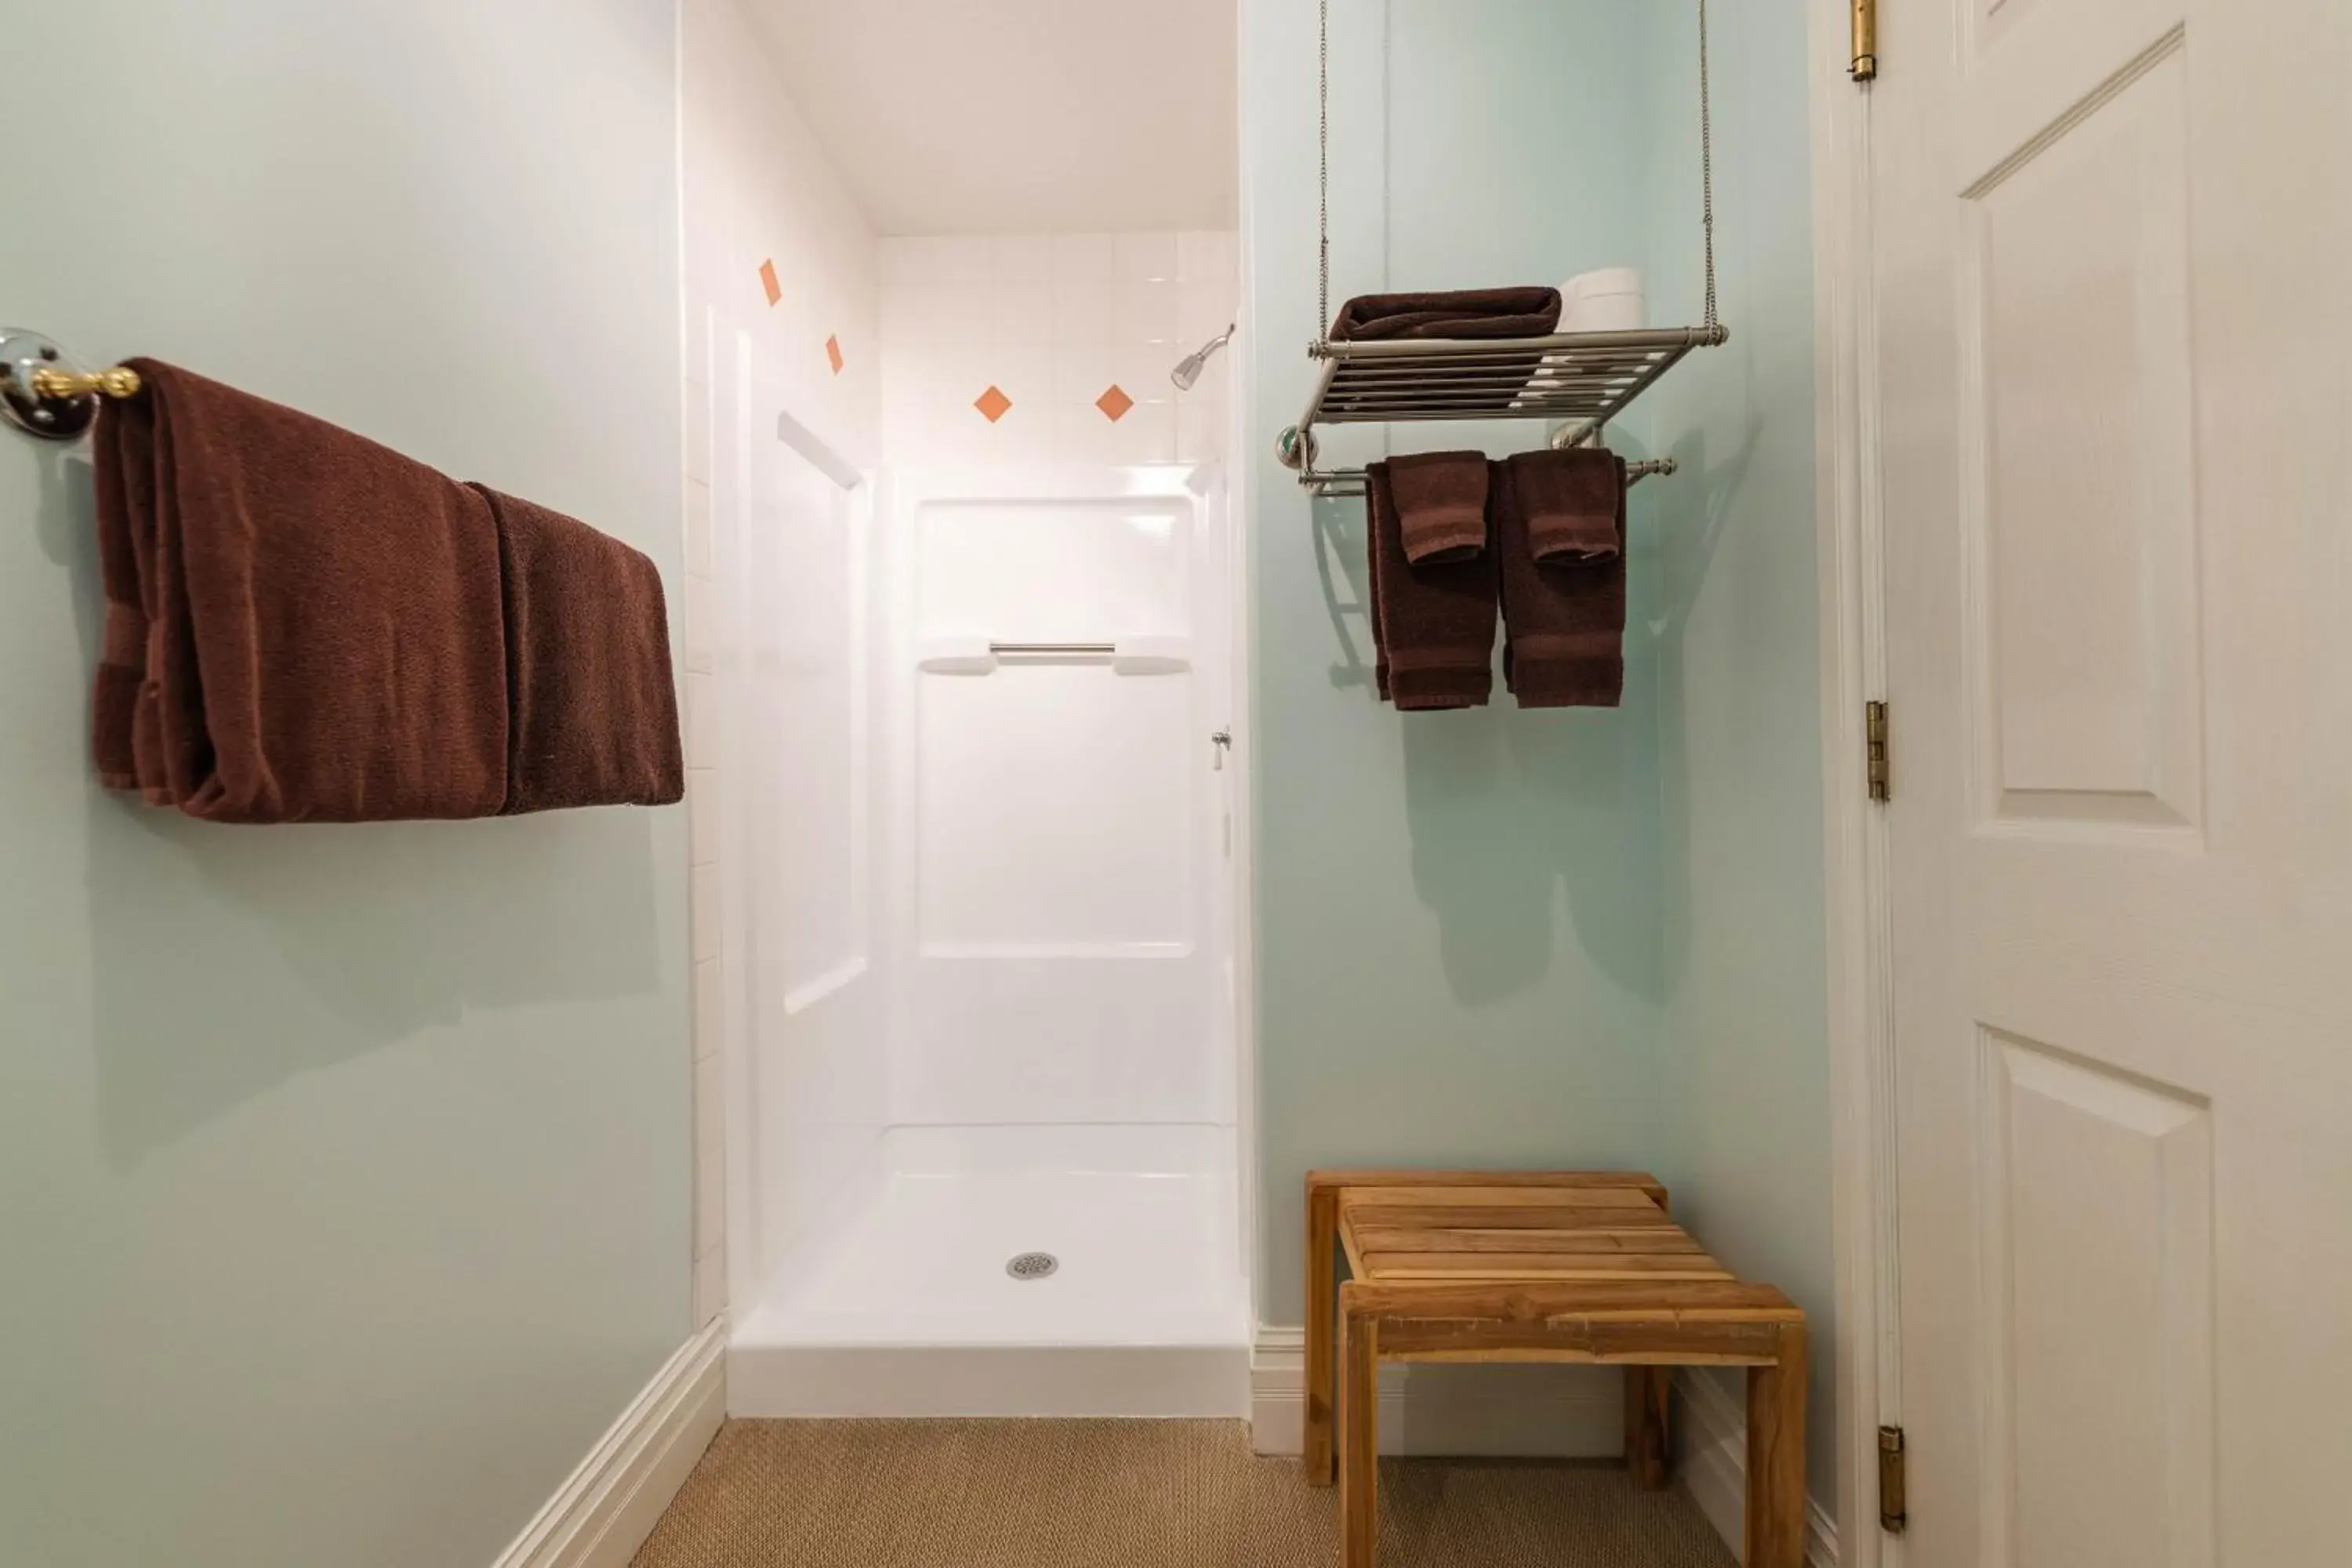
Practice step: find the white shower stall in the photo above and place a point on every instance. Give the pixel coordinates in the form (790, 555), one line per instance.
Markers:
(981, 830)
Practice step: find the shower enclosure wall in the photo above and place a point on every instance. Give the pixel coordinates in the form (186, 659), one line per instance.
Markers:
(977, 796)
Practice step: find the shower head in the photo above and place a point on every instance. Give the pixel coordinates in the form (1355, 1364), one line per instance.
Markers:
(1188, 369)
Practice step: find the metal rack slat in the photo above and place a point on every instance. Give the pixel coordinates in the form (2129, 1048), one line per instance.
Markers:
(1584, 378)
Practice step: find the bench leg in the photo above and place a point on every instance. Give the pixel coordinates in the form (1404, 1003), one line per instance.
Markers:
(1360, 1463)
(1322, 1267)
(1776, 1457)
(1649, 1392)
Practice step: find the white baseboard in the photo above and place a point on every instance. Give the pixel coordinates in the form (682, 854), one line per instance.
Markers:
(601, 1516)
(1485, 1412)
(1711, 1439)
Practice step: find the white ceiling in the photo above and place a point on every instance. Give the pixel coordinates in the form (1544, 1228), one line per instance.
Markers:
(1019, 116)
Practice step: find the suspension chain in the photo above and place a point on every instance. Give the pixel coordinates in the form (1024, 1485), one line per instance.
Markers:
(1706, 164)
(1323, 173)
(1323, 168)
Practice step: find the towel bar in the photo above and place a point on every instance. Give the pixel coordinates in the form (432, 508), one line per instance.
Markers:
(1052, 650)
(1348, 483)
(44, 395)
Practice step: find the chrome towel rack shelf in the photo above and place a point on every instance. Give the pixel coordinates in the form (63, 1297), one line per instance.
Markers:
(1582, 379)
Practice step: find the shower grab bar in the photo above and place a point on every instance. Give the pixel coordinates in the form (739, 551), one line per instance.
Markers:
(1128, 656)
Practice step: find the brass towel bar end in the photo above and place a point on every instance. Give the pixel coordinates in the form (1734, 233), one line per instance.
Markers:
(45, 394)
(119, 381)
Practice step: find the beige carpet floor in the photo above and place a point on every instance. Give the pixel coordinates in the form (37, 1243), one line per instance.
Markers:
(1135, 1494)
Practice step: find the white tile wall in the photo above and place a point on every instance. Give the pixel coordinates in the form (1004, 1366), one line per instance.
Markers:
(703, 881)
(1054, 322)
(758, 188)
(710, 1156)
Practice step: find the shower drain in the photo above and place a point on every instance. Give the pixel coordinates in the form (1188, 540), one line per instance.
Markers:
(1033, 1265)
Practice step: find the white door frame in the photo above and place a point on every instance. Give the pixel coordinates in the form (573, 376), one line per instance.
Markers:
(1853, 672)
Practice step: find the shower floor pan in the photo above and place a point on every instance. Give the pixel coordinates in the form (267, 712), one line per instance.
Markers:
(1012, 1271)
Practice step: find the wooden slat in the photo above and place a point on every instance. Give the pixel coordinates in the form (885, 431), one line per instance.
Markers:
(1609, 1344)
(1349, 1248)
(1499, 1197)
(1450, 1216)
(1384, 1266)
(1376, 1237)
(1409, 1178)
(1665, 1300)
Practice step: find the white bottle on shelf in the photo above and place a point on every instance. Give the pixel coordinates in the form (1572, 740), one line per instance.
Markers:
(1609, 299)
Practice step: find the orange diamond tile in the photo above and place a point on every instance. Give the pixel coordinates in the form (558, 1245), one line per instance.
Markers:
(1115, 403)
(833, 353)
(993, 403)
(768, 281)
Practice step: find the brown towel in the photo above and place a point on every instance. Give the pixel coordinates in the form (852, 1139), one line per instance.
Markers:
(1441, 501)
(1456, 314)
(594, 706)
(301, 625)
(1434, 624)
(1564, 624)
(1570, 501)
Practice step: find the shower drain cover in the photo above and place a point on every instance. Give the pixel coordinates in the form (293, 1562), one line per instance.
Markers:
(1033, 1265)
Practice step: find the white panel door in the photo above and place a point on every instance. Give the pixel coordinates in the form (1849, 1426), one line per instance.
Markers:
(2110, 251)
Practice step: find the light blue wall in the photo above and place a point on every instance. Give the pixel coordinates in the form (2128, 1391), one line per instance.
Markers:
(1745, 1093)
(1576, 938)
(1457, 914)
(343, 1170)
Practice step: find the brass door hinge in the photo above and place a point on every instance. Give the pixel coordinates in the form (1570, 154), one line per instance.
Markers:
(1892, 1516)
(1882, 775)
(1865, 40)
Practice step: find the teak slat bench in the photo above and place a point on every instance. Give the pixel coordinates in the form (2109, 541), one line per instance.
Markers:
(1540, 1266)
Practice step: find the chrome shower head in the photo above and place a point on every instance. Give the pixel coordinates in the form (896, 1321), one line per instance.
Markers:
(1188, 369)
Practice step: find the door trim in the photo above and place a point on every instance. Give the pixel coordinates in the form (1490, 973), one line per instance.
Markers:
(1851, 592)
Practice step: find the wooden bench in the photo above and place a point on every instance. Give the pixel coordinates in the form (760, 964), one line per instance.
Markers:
(1539, 1266)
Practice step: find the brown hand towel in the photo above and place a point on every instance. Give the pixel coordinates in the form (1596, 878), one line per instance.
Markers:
(1564, 624)
(1441, 501)
(1456, 314)
(594, 703)
(1570, 501)
(301, 625)
(1435, 624)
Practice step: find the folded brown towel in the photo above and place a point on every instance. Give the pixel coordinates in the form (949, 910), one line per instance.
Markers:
(1570, 501)
(1441, 501)
(301, 625)
(1456, 314)
(1564, 624)
(1435, 624)
(594, 706)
